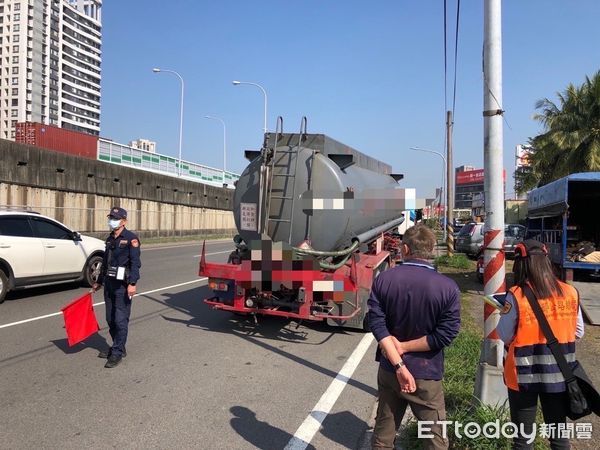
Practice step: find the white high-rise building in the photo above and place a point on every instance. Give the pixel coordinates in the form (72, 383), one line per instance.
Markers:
(144, 144)
(50, 55)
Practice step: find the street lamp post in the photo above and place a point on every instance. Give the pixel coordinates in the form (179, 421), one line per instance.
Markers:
(237, 83)
(224, 143)
(444, 181)
(157, 70)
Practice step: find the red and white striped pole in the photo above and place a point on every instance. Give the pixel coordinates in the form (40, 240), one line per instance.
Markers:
(489, 386)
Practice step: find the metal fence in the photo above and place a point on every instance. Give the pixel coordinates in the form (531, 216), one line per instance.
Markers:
(124, 155)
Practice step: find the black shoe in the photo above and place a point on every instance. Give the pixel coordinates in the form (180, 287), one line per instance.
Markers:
(106, 353)
(113, 361)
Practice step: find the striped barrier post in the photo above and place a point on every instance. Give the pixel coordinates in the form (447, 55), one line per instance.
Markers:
(489, 386)
(450, 239)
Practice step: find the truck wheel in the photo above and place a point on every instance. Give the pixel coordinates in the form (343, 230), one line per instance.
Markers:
(91, 272)
(3, 286)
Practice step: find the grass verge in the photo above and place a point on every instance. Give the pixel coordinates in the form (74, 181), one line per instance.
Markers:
(456, 261)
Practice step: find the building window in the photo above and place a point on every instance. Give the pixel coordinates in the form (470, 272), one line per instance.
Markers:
(15, 70)
(15, 60)
(14, 113)
(17, 7)
(15, 80)
(16, 27)
(17, 17)
(15, 91)
(15, 49)
(15, 102)
(13, 123)
(15, 38)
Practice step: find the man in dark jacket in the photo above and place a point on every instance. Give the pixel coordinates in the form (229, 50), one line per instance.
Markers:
(414, 312)
(119, 275)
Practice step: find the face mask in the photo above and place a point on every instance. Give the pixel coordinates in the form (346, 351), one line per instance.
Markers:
(113, 224)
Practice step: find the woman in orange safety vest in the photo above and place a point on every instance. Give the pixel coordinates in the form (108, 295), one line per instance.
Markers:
(530, 370)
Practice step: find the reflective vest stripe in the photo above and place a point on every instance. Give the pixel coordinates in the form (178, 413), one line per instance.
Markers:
(541, 359)
(540, 378)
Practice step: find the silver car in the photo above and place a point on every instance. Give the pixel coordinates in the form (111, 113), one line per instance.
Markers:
(470, 238)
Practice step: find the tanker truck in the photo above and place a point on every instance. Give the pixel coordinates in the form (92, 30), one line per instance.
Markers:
(317, 223)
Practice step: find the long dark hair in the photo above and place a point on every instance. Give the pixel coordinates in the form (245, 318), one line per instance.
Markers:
(537, 270)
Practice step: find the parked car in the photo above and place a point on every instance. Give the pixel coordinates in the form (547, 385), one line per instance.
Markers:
(36, 250)
(470, 238)
(513, 234)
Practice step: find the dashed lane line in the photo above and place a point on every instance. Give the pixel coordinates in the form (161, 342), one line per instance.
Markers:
(33, 319)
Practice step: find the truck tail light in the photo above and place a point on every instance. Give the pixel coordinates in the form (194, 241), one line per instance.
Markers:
(218, 285)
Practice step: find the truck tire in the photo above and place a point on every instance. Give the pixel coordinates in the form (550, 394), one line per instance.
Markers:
(91, 271)
(3, 286)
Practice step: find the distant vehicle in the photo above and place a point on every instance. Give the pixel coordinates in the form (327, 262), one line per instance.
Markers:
(36, 250)
(513, 234)
(410, 218)
(458, 224)
(470, 238)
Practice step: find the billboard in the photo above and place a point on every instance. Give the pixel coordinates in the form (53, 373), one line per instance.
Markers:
(470, 177)
(473, 177)
(522, 156)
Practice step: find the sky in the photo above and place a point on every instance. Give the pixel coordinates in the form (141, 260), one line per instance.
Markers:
(368, 74)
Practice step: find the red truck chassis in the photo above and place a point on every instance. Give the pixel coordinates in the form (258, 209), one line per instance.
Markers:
(338, 296)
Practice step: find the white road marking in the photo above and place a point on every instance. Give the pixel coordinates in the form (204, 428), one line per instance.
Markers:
(194, 244)
(313, 421)
(33, 319)
(215, 253)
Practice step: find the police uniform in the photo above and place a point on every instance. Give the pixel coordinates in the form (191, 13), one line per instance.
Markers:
(120, 268)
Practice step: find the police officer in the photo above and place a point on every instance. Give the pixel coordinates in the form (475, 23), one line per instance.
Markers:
(119, 275)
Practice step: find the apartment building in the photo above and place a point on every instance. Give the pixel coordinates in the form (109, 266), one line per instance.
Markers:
(144, 144)
(50, 57)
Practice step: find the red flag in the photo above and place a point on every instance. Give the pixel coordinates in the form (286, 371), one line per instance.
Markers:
(80, 319)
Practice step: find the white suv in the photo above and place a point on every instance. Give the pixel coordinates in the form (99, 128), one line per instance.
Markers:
(36, 250)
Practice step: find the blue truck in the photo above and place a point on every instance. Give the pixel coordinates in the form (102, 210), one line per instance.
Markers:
(565, 215)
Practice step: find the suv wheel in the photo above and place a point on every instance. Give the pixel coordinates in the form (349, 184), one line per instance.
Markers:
(92, 270)
(3, 285)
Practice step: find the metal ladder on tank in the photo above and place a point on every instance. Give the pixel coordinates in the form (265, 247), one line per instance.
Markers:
(290, 177)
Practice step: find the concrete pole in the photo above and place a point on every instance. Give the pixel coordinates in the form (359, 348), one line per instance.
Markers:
(489, 386)
(449, 187)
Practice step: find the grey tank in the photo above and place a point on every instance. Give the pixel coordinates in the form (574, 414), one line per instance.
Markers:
(321, 199)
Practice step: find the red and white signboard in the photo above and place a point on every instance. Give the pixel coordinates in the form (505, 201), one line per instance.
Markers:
(470, 177)
(473, 176)
(248, 217)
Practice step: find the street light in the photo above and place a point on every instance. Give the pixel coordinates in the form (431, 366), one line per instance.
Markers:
(157, 70)
(444, 181)
(224, 142)
(237, 83)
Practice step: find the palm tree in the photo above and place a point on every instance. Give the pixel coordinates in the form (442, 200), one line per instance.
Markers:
(571, 140)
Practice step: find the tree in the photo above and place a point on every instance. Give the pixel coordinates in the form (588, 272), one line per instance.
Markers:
(570, 142)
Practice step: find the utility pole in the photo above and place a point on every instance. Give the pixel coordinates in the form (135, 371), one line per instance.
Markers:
(489, 387)
(449, 188)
